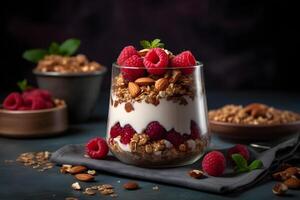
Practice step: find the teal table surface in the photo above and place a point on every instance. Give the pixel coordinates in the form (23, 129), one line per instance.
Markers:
(20, 182)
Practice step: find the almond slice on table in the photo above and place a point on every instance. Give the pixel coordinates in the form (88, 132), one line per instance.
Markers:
(144, 81)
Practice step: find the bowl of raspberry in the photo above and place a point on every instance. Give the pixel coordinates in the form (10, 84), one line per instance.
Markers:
(157, 112)
(32, 113)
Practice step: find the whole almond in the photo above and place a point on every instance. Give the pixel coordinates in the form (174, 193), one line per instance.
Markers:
(292, 183)
(131, 186)
(134, 89)
(77, 169)
(291, 170)
(144, 81)
(161, 84)
(197, 174)
(175, 75)
(84, 177)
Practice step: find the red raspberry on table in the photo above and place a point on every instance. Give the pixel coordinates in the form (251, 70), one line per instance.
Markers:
(133, 68)
(97, 148)
(195, 130)
(126, 53)
(174, 137)
(115, 130)
(214, 163)
(155, 131)
(239, 149)
(13, 101)
(185, 60)
(156, 60)
(127, 134)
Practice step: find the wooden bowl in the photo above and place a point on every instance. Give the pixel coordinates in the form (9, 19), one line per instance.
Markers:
(253, 132)
(34, 123)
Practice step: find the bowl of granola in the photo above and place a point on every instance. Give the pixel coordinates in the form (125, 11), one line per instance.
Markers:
(157, 112)
(255, 121)
(73, 78)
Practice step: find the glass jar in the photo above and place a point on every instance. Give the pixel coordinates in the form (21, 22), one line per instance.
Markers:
(158, 121)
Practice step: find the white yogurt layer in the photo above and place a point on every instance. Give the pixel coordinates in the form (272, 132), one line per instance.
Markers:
(167, 113)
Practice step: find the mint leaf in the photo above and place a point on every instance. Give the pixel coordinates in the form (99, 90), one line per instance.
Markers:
(23, 85)
(256, 164)
(34, 55)
(156, 43)
(145, 44)
(54, 48)
(240, 161)
(69, 47)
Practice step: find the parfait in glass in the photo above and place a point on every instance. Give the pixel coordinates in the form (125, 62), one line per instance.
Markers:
(158, 112)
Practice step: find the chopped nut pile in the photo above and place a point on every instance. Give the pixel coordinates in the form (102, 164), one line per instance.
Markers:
(36, 160)
(254, 114)
(288, 177)
(68, 64)
(173, 86)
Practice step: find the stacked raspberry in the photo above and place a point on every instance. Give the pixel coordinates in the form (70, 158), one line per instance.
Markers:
(31, 99)
(156, 132)
(154, 60)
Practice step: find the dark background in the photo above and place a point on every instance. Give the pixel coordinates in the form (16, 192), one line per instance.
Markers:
(244, 45)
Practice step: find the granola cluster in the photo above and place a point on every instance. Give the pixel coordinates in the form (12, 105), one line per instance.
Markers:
(145, 152)
(254, 114)
(68, 64)
(173, 86)
(36, 160)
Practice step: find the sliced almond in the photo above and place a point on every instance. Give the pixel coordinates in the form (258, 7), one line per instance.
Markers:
(134, 89)
(161, 84)
(84, 177)
(76, 186)
(131, 186)
(143, 52)
(292, 183)
(279, 189)
(77, 169)
(291, 170)
(144, 81)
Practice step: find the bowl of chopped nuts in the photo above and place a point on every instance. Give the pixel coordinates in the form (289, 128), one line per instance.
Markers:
(72, 78)
(253, 122)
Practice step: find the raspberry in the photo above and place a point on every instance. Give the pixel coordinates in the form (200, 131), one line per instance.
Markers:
(46, 95)
(35, 102)
(136, 62)
(156, 60)
(127, 134)
(116, 130)
(240, 149)
(195, 130)
(214, 163)
(126, 53)
(186, 137)
(155, 131)
(13, 101)
(97, 148)
(185, 60)
(175, 138)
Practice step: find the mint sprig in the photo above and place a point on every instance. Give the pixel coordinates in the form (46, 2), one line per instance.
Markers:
(152, 44)
(23, 85)
(67, 48)
(242, 165)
